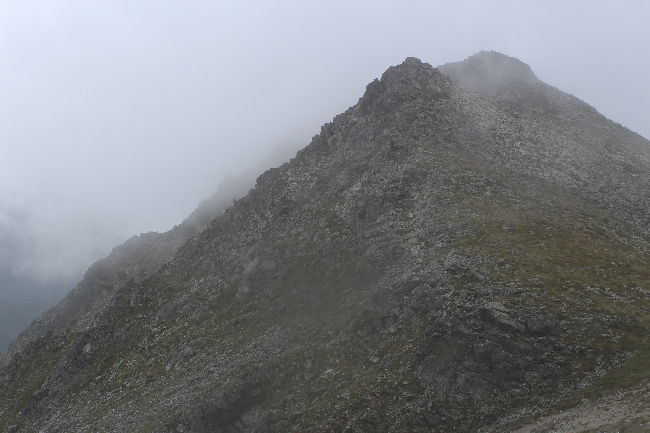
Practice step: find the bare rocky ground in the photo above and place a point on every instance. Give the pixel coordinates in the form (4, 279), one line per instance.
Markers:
(627, 411)
(464, 250)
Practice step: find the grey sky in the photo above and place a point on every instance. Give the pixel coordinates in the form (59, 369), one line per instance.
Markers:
(118, 117)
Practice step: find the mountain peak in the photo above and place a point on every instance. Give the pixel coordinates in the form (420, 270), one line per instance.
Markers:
(490, 72)
(414, 62)
(406, 81)
(413, 70)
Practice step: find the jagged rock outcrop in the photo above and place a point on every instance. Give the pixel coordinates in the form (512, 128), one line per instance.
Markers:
(455, 252)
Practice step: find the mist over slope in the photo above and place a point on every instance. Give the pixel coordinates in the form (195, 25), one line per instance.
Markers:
(22, 300)
(36, 274)
(454, 252)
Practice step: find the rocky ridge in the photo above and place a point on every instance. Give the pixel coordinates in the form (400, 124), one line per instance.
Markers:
(455, 252)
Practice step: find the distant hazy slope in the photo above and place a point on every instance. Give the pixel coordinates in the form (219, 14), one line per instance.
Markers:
(22, 299)
(135, 259)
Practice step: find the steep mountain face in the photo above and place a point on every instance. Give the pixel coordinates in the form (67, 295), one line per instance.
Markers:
(461, 250)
